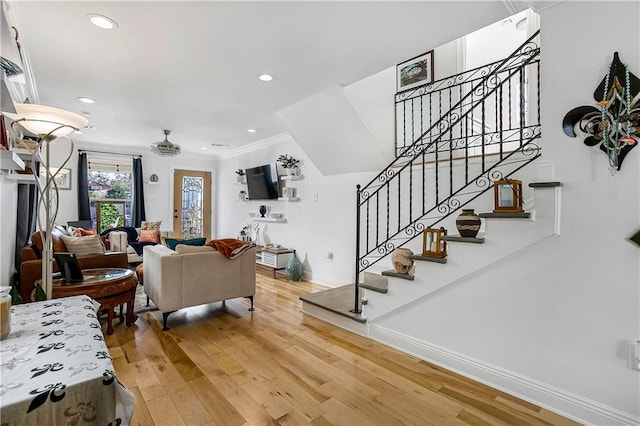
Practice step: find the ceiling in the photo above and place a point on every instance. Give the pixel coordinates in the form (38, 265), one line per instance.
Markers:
(192, 67)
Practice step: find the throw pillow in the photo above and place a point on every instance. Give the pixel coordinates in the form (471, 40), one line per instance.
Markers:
(83, 245)
(149, 236)
(185, 248)
(151, 225)
(173, 242)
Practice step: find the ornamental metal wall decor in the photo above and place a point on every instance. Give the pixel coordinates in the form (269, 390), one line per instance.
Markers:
(615, 122)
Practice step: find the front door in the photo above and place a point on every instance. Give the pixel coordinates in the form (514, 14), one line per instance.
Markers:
(191, 204)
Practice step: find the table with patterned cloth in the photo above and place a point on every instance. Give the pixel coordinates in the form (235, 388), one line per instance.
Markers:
(55, 368)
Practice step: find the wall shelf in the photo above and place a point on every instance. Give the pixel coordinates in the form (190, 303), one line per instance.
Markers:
(289, 177)
(269, 219)
(10, 160)
(20, 177)
(288, 199)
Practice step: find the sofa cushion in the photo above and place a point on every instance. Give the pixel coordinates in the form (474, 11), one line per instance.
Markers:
(89, 244)
(173, 242)
(149, 236)
(186, 248)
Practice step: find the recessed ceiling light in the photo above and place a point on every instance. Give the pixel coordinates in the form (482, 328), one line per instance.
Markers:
(103, 22)
(86, 100)
(251, 130)
(265, 77)
(204, 147)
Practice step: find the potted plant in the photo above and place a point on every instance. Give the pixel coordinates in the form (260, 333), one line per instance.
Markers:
(240, 176)
(290, 164)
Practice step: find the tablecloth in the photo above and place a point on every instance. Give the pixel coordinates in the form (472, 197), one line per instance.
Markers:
(55, 368)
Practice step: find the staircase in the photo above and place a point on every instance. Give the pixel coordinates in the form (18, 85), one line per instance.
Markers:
(455, 138)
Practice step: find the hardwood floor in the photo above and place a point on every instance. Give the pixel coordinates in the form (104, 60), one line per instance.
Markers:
(228, 366)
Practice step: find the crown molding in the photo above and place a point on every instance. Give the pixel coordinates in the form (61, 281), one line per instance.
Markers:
(258, 145)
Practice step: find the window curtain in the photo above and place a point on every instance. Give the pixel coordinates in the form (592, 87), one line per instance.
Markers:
(84, 211)
(26, 220)
(137, 213)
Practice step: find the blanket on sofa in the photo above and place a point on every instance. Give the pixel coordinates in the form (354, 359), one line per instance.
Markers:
(230, 247)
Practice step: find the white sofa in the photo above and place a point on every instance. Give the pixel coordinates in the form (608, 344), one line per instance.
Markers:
(174, 281)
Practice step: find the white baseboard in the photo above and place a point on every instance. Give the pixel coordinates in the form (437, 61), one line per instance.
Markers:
(542, 394)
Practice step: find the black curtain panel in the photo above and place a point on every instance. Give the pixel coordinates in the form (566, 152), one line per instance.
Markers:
(138, 214)
(84, 212)
(27, 218)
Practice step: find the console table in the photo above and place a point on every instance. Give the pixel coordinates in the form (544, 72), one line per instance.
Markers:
(109, 286)
(273, 260)
(56, 368)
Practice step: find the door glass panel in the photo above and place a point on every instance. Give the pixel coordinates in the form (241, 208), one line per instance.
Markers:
(192, 207)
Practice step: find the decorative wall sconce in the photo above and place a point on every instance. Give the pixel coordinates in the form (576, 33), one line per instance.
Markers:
(615, 123)
(507, 196)
(433, 245)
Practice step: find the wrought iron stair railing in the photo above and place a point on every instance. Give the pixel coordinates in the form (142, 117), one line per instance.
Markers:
(486, 133)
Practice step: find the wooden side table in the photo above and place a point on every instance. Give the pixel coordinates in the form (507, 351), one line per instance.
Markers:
(273, 260)
(109, 286)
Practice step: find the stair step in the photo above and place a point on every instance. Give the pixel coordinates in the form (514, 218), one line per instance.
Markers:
(459, 239)
(338, 300)
(429, 259)
(545, 184)
(395, 274)
(523, 215)
(379, 287)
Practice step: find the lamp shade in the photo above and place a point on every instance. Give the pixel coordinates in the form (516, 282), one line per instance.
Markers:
(42, 120)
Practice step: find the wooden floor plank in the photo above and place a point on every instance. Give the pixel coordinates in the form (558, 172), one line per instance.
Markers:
(219, 408)
(220, 364)
(189, 407)
(164, 412)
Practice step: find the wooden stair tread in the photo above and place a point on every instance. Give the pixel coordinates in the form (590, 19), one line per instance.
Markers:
(392, 273)
(378, 286)
(459, 239)
(338, 300)
(545, 184)
(523, 215)
(429, 259)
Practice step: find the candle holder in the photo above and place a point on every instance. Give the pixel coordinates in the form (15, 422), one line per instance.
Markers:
(433, 245)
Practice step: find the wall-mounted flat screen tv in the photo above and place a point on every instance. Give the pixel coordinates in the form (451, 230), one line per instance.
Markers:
(262, 182)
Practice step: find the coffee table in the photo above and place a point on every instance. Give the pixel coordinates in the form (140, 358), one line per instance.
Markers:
(109, 286)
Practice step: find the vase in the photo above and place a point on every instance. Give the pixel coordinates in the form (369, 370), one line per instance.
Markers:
(293, 171)
(401, 259)
(294, 268)
(262, 210)
(468, 223)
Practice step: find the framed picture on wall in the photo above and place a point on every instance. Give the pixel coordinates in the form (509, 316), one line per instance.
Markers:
(63, 179)
(415, 72)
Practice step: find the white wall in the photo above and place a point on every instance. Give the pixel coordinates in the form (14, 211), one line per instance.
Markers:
(561, 314)
(322, 221)
(8, 218)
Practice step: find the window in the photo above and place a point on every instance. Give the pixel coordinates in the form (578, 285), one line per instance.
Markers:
(110, 192)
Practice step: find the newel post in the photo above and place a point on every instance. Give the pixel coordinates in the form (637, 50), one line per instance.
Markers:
(356, 285)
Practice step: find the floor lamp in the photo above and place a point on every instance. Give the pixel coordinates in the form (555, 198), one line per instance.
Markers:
(48, 124)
